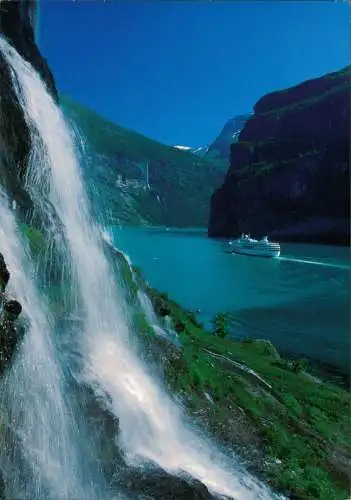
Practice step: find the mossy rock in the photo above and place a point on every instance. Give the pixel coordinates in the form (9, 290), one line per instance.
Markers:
(36, 239)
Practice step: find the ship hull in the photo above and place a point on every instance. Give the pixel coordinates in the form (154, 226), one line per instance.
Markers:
(273, 254)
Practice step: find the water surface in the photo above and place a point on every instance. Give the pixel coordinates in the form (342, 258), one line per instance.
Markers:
(300, 301)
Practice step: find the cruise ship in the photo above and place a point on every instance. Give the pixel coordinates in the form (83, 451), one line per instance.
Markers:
(259, 248)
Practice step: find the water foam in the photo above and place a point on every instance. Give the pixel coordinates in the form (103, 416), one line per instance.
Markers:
(32, 393)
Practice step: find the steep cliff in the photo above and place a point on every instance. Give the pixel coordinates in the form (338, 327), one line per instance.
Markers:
(17, 26)
(289, 171)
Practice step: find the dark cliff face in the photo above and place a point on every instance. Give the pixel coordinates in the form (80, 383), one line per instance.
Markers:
(220, 147)
(17, 26)
(289, 172)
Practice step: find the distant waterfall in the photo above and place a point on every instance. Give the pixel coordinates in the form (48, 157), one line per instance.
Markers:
(151, 426)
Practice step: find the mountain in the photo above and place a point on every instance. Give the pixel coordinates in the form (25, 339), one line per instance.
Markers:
(220, 148)
(289, 171)
(158, 184)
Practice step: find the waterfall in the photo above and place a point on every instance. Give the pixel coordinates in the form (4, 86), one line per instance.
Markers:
(152, 428)
(32, 393)
(165, 330)
(146, 306)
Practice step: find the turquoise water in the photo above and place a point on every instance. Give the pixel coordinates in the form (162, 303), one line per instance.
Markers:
(300, 301)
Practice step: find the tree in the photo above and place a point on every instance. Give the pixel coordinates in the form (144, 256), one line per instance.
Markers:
(299, 365)
(220, 325)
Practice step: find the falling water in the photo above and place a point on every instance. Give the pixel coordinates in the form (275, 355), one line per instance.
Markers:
(32, 394)
(151, 426)
(165, 330)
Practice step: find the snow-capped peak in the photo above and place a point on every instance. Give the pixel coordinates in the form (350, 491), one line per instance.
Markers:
(184, 148)
(201, 150)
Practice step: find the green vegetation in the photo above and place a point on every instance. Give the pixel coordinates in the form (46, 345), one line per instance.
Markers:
(34, 237)
(220, 325)
(181, 183)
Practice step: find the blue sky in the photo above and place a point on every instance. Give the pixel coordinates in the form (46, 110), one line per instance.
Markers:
(176, 71)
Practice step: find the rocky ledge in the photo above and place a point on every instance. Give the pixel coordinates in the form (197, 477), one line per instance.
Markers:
(289, 171)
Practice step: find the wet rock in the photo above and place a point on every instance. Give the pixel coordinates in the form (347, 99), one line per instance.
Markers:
(164, 311)
(4, 274)
(10, 337)
(12, 309)
(2, 487)
(10, 334)
(161, 307)
(159, 485)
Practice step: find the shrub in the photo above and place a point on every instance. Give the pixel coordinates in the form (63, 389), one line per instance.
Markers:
(299, 365)
(179, 326)
(220, 325)
(193, 319)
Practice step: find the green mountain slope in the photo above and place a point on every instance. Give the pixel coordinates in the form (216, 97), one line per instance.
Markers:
(180, 182)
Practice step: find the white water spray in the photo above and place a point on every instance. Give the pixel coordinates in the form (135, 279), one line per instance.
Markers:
(32, 393)
(151, 425)
(165, 331)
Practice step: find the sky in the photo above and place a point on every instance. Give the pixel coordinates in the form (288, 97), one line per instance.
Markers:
(177, 71)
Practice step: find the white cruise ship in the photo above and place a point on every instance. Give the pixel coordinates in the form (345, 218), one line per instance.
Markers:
(260, 248)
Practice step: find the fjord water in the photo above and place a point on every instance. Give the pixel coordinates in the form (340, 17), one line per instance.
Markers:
(151, 427)
(300, 301)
